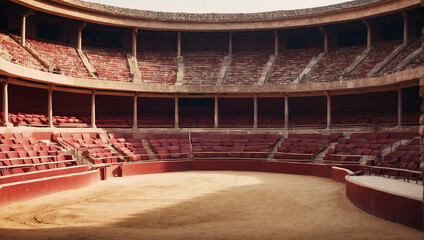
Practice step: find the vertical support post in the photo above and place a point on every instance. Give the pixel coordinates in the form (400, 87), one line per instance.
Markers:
(286, 112)
(230, 44)
(325, 33)
(179, 44)
(135, 114)
(23, 30)
(215, 116)
(6, 122)
(134, 42)
(176, 112)
(400, 109)
(369, 39)
(328, 110)
(276, 42)
(50, 106)
(405, 27)
(93, 109)
(80, 28)
(255, 111)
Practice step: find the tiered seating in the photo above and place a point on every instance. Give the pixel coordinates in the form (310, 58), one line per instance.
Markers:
(202, 68)
(304, 146)
(403, 157)
(92, 146)
(156, 121)
(307, 121)
(41, 120)
(157, 67)
(352, 119)
(378, 53)
(110, 64)
(271, 121)
(121, 121)
(170, 146)
(289, 64)
(364, 144)
(21, 152)
(127, 145)
(246, 67)
(18, 54)
(63, 57)
(197, 121)
(414, 64)
(235, 121)
(414, 45)
(333, 63)
(237, 146)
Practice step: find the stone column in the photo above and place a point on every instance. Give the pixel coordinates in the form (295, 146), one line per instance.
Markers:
(176, 112)
(286, 112)
(405, 27)
(6, 122)
(93, 109)
(325, 33)
(368, 25)
(215, 116)
(134, 42)
(50, 106)
(179, 44)
(328, 110)
(276, 42)
(255, 111)
(230, 44)
(23, 30)
(399, 93)
(135, 114)
(80, 28)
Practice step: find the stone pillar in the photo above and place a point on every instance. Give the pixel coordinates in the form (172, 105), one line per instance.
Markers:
(179, 44)
(368, 25)
(276, 42)
(255, 111)
(399, 93)
(325, 33)
(134, 42)
(23, 30)
(135, 114)
(215, 116)
(286, 112)
(50, 106)
(328, 110)
(176, 112)
(80, 28)
(230, 44)
(93, 109)
(405, 27)
(6, 122)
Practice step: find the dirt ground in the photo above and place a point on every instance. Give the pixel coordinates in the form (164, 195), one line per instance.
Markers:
(199, 205)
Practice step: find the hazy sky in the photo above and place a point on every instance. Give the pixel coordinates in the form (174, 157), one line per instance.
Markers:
(217, 6)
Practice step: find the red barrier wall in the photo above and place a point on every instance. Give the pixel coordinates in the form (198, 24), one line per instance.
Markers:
(155, 167)
(339, 174)
(21, 191)
(230, 165)
(319, 170)
(385, 205)
(42, 174)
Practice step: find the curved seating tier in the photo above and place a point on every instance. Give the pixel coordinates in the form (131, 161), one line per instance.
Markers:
(110, 64)
(304, 146)
(170, 146)
(157, 66)
(23, 152)
(64, 58)
(246, 67)
(202, 68)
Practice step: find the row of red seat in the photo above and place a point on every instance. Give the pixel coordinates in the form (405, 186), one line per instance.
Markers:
(304, 146)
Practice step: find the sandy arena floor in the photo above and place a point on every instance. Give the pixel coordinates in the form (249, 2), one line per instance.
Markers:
(199, 205)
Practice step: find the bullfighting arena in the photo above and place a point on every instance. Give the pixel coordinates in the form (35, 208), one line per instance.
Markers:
(199, 205)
